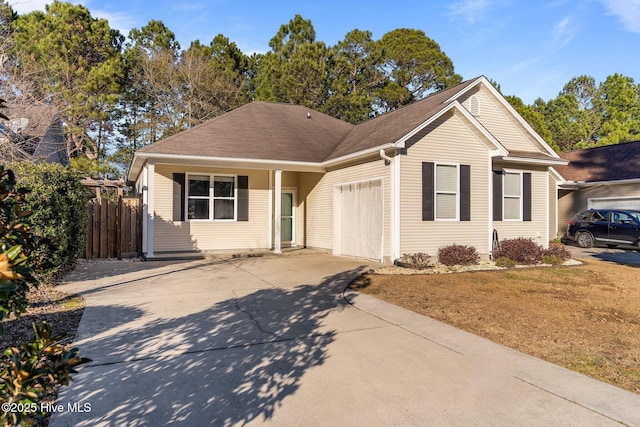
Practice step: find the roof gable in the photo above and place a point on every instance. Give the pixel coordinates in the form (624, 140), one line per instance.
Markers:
(607, 163)
(496, 114)
(392, 127)
(35, 132)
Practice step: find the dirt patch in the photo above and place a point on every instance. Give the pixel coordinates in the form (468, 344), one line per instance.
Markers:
(585, 318)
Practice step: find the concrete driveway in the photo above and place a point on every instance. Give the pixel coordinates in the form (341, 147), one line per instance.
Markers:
(274, 341)
(619, 256)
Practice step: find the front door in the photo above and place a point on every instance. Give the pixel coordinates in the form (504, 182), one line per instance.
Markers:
(286, 219)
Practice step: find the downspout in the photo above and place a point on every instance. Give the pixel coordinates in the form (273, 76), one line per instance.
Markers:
(395, 205)
(385, 157)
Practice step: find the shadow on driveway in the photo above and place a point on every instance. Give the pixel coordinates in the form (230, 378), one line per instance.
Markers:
(229, 364)
(628, 257)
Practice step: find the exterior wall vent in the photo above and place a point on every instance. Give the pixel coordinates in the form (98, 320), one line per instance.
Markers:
(474, 106)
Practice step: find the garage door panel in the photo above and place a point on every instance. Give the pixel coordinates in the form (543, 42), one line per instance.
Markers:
(361, 219)
(615, 203)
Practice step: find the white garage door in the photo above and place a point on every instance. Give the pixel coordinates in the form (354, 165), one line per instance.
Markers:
(360, 215)
(615, 203)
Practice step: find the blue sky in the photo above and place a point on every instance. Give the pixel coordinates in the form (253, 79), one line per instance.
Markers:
(530, 47)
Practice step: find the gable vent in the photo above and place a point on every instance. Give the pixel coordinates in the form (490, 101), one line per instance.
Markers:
(474, 106)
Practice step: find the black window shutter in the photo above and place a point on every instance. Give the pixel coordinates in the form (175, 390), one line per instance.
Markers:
(178, 196)
(497, 195)
(427, 191)
(526, 196)
(243, 198)
(465, 193)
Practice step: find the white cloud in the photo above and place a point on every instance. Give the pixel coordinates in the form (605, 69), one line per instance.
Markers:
(25, 6)
(469, 10)
(563, 32)
(628, 11)
(120, 21)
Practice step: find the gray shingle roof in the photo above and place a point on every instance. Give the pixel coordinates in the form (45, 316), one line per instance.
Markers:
(607, 163)
(35, 131)
(260, 130)
(276, 131)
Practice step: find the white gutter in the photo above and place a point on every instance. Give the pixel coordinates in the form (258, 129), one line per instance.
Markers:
(596, 183)
(385, 157)
(548, 162)
(356, 155)
(140, 159)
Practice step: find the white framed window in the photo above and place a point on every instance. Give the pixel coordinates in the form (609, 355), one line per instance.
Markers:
(211, 197)
(447, 190)
(512, 196)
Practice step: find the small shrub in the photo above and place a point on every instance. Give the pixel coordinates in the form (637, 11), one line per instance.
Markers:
(522, 250)
(458, 255)
(505, 262)
(553, 260)
(418, 260)
(557, 250)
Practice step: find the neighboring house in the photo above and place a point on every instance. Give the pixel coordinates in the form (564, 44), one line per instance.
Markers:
(33, 132)
(448, 169)
(601, 177)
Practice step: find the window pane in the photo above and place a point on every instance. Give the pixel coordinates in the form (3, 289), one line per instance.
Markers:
(512, 184)
(223, 186)
(198, 209)
(286, 229)
(511, 208)
(446, 206)
(198, 185)
(446, 178)
(223, 209)
(286, 204)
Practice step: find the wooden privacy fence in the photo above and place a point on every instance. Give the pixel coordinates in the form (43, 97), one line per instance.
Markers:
(114, 229)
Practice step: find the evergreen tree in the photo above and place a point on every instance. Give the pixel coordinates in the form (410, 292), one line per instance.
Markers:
(73, 62)
(414, 66)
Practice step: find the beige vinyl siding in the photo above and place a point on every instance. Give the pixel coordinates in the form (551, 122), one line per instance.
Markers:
(553, 209)
(568, 205)
(450, 141)
(571, 202)
(317, 196)
(538, 227)
(501, 124)
(172, 236)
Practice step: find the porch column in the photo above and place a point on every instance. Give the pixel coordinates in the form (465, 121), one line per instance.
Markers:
(151, 172)
(145, 205)
(277, 220)
(270, 215)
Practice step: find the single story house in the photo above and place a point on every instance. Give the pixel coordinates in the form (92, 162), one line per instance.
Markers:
(33, 133)
(600, 177)
(450, 168)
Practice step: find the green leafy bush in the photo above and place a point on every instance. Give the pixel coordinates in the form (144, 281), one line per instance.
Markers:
(505, 262)
(16, 241)
(557, 250)
(522, 250)
(28, 373)
(38, 366)
(418, 260)
(58, 205)
(458, 255)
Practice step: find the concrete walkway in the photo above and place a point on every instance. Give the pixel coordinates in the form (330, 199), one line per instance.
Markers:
(274, 341)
